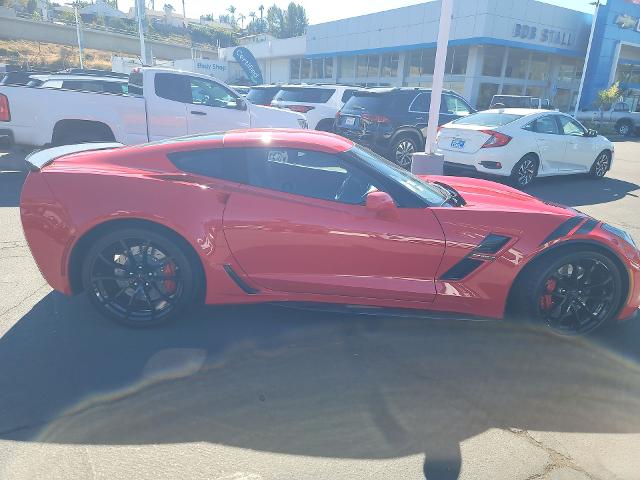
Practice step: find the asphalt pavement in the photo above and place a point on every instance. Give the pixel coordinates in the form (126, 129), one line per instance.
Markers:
(262, 392)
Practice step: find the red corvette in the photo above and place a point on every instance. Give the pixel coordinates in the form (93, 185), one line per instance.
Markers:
(309, 217)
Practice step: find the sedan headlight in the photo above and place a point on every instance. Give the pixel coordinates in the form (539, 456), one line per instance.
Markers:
(618, 232)
(303, 123)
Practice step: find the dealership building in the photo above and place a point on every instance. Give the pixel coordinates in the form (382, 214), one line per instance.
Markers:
(519, 47)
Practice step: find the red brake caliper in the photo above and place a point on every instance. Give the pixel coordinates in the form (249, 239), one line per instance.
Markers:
(169, 269)
(546, 301)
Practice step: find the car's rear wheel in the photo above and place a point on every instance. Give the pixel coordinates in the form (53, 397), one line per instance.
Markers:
(601, 166)
(624, 127)
(572, 293)
(403, 149)
(524, 172)
(138, 277)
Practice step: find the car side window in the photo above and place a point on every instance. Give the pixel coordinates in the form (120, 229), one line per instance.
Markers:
(346, 95)
(621, 107)
(211, 94)
(571, 127)
(546, 124)
(307, 173)
(221, 163)
(421, 103)
(453, 106)
(171, 86)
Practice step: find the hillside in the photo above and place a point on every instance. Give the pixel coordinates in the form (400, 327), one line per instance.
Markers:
(51, 55)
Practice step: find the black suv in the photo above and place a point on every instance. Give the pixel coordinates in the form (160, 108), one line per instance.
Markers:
(393, 121)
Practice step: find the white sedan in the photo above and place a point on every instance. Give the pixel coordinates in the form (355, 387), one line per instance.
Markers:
(523, 144)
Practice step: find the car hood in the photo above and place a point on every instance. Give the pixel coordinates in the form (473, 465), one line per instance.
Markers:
(486, 195)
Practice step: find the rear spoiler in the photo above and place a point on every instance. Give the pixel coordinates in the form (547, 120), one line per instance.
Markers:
(41, 158)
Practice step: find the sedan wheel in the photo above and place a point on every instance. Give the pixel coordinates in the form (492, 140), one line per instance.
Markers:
(601, 165)
(138, 277)
(524, 172)
(573, 294)
(403, 152)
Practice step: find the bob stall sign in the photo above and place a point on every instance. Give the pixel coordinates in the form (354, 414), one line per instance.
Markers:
(544, 35)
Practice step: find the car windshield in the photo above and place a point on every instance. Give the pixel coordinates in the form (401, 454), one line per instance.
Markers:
(431, 194)
(304, 94)
(261, 95)
(488, 119)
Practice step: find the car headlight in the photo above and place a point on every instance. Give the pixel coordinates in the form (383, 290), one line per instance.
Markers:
(303, 123)
(618, 232)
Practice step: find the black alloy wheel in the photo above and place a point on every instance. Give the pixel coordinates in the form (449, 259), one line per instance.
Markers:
(524, 172)
(137, 277)
(574, 294)
(601, 166)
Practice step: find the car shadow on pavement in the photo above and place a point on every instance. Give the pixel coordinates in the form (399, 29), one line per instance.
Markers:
(10, 188)
(577, 190)
(280, 380)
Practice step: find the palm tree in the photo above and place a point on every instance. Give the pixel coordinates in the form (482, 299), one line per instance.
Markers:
(261, 8)
(241, 17)
(232, 11)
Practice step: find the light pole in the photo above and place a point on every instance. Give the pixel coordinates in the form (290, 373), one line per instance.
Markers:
(586, 58)
(78, 32)
(140, 7)
(438, 74)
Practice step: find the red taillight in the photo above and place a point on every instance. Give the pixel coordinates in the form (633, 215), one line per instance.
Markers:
(300, 108)
(497, 139)
(369, 117)
(5, 113)
(439, 128)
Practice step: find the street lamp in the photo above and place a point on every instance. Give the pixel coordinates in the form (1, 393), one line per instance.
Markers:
(141, 11)
(586, 59)
(78, 31)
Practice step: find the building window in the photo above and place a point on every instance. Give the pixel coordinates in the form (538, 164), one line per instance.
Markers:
(413, 63)
(562, 100)
(539, 66)
(361, 66)
(492, 63)
(373, 66)
(316, 68)
(328, 67)
(294, 67)
(512, 90)
(348, 67)
(457, 87)
(485, 94)
(305, 69)
(517, 63)
(428, 62)
(457, 60)
(389, 65)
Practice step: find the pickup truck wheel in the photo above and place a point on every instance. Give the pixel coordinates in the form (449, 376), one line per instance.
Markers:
(601, 166)
(624, 128)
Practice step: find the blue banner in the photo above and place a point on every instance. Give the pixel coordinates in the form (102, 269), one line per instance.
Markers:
(249, 64)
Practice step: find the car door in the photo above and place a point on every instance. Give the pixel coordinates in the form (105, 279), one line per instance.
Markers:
(300, 225)
(419, 112)
(213, 107)
(166, 106)
(579, 154)
(550, 142)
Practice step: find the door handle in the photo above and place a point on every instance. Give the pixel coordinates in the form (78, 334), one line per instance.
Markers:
(197, 112)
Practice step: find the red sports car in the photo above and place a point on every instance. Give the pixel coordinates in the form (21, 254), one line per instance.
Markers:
(309, 217)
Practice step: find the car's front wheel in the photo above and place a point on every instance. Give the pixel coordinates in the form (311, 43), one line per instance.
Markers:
(624, 128)
(601, 165)
(138, 277)
(571, 293)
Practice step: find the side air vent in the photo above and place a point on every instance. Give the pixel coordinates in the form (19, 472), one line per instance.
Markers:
(238, 281)
(491, 244)
(485, 252)
(461, 269)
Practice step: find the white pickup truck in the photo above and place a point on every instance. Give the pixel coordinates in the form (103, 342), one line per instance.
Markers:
(161, 103)
(619, 116)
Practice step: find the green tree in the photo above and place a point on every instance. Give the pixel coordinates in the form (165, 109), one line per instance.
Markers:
(232, 12)
(242, 19)
(276, 21)
(609, 95)
(296, 20)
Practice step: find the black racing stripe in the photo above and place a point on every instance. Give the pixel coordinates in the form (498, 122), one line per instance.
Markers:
(586, 227)
(563, 229)
(491, 244)
(461, 269)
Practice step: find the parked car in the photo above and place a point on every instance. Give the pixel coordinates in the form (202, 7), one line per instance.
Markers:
(161, 104)
(393, 121)
(319, 103)
(84, 83)
(241, 89)
(21, 77)
(619, 116)
(520, 101)
(263, 94)
(311, 217)
(523, 144)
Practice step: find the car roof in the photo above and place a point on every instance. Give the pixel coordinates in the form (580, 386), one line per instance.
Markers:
(518, 111)
(287, 138)
(88, 78)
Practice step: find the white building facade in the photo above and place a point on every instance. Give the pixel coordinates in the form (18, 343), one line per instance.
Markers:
(496, 46)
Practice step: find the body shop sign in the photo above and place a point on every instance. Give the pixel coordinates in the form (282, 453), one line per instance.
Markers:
(543, 35)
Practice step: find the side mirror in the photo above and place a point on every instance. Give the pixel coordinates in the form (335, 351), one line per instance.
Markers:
(239, 104)
(380, 202)
(592, 133)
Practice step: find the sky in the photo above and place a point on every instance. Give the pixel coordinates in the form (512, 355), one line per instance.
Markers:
(318, 11)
